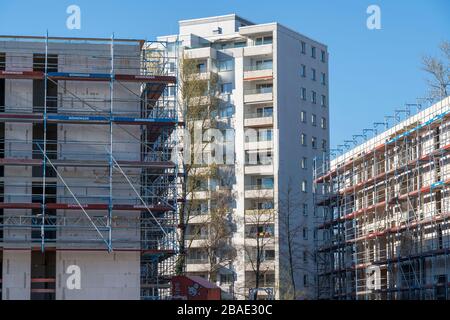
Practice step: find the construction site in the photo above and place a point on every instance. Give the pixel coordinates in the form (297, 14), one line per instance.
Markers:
(87, 168)
(383, 212)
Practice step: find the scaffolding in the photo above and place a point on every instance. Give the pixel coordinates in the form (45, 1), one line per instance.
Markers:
(383, 217)
(90, 163)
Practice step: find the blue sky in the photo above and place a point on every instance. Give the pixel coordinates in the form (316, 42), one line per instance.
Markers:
(372, 72)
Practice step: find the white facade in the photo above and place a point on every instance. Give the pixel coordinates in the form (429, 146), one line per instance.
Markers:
(275, 81)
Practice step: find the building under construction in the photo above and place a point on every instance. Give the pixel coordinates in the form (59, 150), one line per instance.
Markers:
(87, 169)
(383, 213)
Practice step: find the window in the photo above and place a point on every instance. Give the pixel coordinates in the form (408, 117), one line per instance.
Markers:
(315, 234)
(264, 112)
(264, 88)
(305, 233)
(313, 52)
(197, 256)
(303, 139)
(226, 278)
(303, 71)
(323, 79)
(226, 87)
(314, 142)
(264, 64)
(324, 145)
(313, 97)
(322, 56)
(171, 66)
(269, 255)
(314, 120)
(263, 40)
(323, 123)
(226, 112)
(305, 280)
(226, 65)
(305, 256)
(304, 186)
(303, 116)
(265, 135)
(323, 101)
(304, 163)
(170, 91)
(201, 67)
(303, 93)
(240, 44)
(303, 47)
(265, 205)
(305, 209)
(313, 74)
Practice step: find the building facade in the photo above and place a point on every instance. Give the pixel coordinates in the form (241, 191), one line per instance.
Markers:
(383, 213)
(273, 92)
(87, 192)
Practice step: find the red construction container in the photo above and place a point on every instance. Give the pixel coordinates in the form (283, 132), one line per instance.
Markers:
(194, 288)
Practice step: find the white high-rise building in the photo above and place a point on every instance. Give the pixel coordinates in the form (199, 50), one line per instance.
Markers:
(273, 80)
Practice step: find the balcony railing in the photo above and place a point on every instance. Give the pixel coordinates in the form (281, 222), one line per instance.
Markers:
(258, 115)
(260, 67)
(259, 187)
(196, 236)
(259, 90)
(265, 162)
(197, 260)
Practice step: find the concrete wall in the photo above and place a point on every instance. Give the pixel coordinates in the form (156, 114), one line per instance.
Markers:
(16, 275)
(289, 150)
(103, 275)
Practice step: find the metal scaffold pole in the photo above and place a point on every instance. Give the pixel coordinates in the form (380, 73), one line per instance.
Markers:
(44, 162)
(111, 165)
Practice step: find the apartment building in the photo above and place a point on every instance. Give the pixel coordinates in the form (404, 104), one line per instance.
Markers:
(87, 191)
(383, 213)
(273, 90)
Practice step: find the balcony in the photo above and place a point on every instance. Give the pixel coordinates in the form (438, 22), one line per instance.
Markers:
(258, 119)
(266, 265)
(252, 51)
(253, 216)
(259, 144)
(256, 95)
(258, 168)
(202, 76)
(258, 72)
(197, 265)
(259, 191)
(201, 53)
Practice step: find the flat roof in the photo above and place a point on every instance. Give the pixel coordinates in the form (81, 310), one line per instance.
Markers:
(22, 37)
(226, 17)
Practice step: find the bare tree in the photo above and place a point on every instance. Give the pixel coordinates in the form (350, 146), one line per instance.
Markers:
(199, 106)
(200, 168)
(259, 237)
(438, 68)
(298, 256)
(221, 253)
